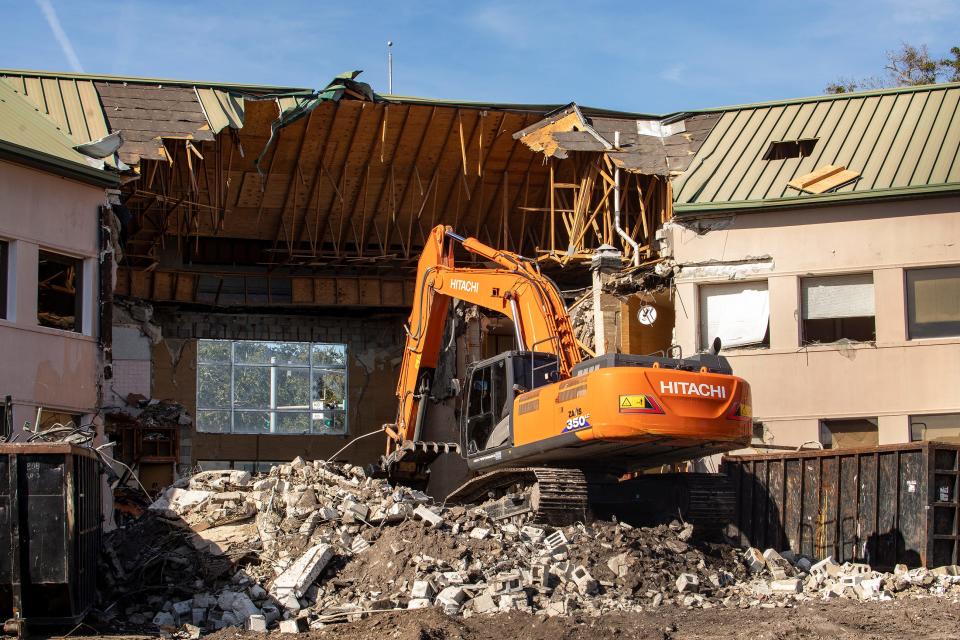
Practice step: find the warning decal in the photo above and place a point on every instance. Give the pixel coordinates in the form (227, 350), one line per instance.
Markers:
(637, 403)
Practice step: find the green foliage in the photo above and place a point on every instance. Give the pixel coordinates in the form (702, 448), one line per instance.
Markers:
(234, 381)
(908, 66)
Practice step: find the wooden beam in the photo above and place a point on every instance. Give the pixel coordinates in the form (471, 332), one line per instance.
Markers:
(457, 176)
(292, 186)
(406, 187)
(366, 223)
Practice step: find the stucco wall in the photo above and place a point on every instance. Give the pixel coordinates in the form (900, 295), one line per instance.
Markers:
(796, 386)
(40, 366)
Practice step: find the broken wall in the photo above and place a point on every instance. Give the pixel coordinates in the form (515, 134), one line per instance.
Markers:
(374, 347)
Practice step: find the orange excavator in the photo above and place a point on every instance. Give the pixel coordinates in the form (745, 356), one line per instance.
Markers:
(546, 433)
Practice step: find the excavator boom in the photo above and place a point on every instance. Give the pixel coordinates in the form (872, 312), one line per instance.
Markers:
(515, 288)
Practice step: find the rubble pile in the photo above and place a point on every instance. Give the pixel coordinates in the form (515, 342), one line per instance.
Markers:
(312, 543)
(800, 578)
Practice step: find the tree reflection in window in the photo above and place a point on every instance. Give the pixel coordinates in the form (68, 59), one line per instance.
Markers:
(263, 387)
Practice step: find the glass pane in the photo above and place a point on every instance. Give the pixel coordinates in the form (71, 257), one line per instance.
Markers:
(213, 421)
(215, 351)
(329, 389)
(293, 388)
(213, 465)
(251, 387)
(329, 423)
(213, 386)
(245, 465)
(293, 422)
(329, 355)
(290, 353)
(251, 422)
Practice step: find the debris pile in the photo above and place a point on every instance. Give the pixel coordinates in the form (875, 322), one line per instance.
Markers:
(802, 578)
(312, 543)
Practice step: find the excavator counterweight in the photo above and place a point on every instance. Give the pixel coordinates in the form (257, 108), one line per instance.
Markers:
(540, 429)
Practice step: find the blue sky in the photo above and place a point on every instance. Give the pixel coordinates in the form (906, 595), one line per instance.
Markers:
(634, 56)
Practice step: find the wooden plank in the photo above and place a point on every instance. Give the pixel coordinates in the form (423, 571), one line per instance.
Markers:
(348, 291)
(325, 291)
(301, 290)
(369, 292)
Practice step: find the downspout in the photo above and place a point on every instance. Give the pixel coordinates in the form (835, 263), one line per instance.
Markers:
(616, 206)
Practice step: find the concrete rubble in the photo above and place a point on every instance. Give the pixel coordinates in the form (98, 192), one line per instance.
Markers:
(314, 543)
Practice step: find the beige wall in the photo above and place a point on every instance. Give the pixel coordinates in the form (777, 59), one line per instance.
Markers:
(796, 386)
(40, 366)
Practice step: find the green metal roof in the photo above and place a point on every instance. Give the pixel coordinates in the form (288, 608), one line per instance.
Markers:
(28, 137)
(899, 140)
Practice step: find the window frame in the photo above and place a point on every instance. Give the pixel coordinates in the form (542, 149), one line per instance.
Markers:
(79, 295)
(4, 278)
(273, 410)
(909, 308)
(705, 342)
(838, 320)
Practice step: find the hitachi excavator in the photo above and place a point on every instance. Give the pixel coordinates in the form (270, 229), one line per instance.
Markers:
(546, 433)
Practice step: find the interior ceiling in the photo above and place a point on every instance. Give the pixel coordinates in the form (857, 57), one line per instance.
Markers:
(352, 183)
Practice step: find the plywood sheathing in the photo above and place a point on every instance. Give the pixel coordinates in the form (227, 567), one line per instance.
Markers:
(353, 183)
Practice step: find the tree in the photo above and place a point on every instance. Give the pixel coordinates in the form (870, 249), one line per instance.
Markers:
(908, 66)
(951, 66)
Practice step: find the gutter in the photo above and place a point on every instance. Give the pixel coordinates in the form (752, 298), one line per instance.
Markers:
(820, 200)
(56, 165)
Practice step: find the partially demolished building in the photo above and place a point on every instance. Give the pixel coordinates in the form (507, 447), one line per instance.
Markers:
(268, 237)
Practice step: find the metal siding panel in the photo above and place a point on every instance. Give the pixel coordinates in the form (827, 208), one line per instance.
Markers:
(936, 138)
(51, 89)
(685, 188)
(17, 83)
(946, 156)
(890, 161)
(879, 142)
(92, 111)
(732, 150)
(756, 182)
(74, 109)
(808, 129)
(919, 140)
(826, 132)
(853, 139)
(752, 164)
(34, 93)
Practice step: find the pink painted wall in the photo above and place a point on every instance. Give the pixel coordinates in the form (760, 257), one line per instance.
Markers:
(795, 386)
(40, 366)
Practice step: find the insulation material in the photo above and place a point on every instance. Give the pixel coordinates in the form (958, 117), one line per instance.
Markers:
(846, 296)
(738, 313)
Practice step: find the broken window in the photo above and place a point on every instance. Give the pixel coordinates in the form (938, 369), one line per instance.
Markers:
(271, 387)
(933, 302)
(252, 466)
(737, 312)
(4, 275)
(783, 149)
(60, 289)
(837, 308)
(943, 426)
(849, 433)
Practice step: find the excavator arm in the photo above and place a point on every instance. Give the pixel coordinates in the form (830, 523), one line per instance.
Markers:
(514, 288)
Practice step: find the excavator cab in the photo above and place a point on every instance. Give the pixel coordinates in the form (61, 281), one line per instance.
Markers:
(492, 385)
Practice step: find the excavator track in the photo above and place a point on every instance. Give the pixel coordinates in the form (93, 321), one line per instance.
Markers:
(551, 496)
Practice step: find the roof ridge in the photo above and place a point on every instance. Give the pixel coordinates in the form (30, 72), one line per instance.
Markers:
(830, 97)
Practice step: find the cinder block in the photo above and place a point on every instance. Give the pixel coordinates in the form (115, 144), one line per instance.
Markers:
(791, 585)
(257, 623)
(584, 581)
(687, 582)
(428, 516)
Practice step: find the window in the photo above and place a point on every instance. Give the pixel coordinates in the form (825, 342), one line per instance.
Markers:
(60, 291)
(849, 433)
(837, 308)
(271, 387)
(944, 426)
(4, 275)
(783, 149)
(933, 302)
(251, 466)
(737, 312)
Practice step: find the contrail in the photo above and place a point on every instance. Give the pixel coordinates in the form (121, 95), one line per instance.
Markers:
(51, 15)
